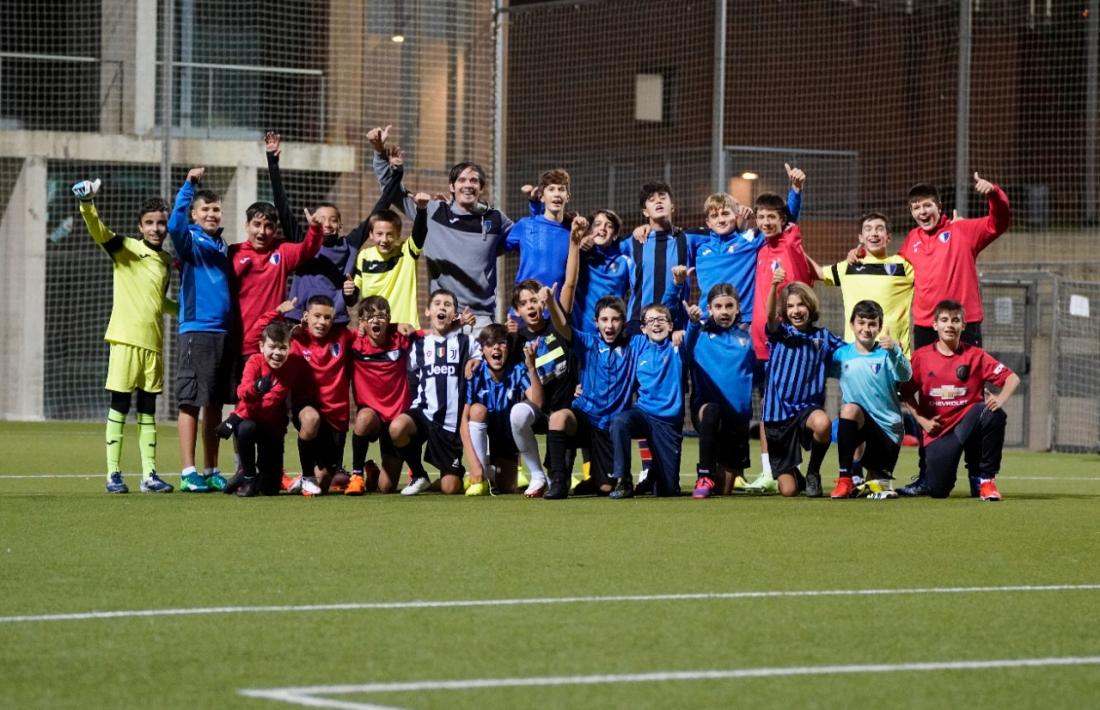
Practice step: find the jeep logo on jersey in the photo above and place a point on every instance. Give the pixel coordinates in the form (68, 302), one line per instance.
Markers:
(962, 372)
(275, 258)
(944, 237)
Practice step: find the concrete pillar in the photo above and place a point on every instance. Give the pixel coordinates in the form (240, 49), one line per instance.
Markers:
(128, 71)
(22, 308)
(238, 196)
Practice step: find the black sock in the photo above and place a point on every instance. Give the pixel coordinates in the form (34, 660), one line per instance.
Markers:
(709, 421)
(360, 444)
(847, 434)
(556, 443)
(412, 455)
(307, 455)
(817, 455)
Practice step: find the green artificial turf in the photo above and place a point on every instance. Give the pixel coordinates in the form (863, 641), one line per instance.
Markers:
(65, 546)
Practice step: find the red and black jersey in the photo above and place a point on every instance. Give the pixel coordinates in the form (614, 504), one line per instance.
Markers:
(328, 360)
(381, 374)
(260, 279)
(947, 386)
(269, 409)
(945, 262)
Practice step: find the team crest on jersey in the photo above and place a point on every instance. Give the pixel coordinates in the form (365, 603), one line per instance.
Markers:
(731, 248)
(275, 258)
(393, 355)
(775, 264)
(452, 352)
(876, 367)
(944, 237)
(335, 349)
(742, 341)
(962, 372)
(440, 351)
(891, 269)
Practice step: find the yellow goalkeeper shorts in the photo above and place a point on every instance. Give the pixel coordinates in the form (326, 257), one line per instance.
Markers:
(133, 368)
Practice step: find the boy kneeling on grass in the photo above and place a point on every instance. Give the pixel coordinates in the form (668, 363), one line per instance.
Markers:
(794, 397)
(259, 420)
(959, 416)
(492, 393)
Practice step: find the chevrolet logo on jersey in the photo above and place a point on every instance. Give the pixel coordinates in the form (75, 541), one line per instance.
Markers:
(948, 392)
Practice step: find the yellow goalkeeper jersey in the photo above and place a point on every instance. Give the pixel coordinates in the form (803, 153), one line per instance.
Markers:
(394, 278)
(141, 276)
(887, 281)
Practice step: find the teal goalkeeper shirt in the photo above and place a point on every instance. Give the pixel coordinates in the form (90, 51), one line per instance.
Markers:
(871, 380)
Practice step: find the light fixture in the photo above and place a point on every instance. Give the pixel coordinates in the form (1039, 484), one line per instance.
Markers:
(749, 175)
(398, 39)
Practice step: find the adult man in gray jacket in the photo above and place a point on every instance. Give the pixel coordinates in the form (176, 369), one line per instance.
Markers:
(465, 235)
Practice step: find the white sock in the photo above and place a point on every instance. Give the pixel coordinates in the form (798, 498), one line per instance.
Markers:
(189, 470)
(479, 440)
(523, 422)
(766, 464)
(207, 471)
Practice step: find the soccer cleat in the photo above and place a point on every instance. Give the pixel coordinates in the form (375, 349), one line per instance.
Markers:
(813, 484)
(248, 487)
(295, 486)
(917, 487)
(739, 483)
(418, 486)
(845, 487)
(357, 485)
(194, 483)
(624, 488)
(216, 481)
(233, 483)
(115, 484)
(704, 486)
(764, 483)
(339, 482)
(481, 488)
(310, 486)
(988, 491)
(558, 489)
(523, 479)
(286, 482)
(536, 488)
(153, 484)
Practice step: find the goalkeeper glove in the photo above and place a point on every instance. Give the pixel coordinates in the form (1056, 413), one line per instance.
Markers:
(226, 428)
(85, 190)
(264, 384)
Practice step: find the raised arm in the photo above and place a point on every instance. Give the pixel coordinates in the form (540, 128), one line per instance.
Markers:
(1000, 214)
(288, 221)
(180, 219)
(535, 391)
(420, 223)
(557, 315)
(794, 194)
(573, 264)
(778, 276)
(389, 178)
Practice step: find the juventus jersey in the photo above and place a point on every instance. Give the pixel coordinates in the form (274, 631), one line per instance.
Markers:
(437, 366)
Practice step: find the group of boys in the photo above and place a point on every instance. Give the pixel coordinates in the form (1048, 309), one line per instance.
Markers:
(597, 351)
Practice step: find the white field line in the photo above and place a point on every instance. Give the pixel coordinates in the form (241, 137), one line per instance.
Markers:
(536, 601)
(308, 696)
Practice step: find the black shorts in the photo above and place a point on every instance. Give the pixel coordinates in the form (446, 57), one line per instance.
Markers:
(881, 453)
(329, 445)
(787, 439)
(731, 441)
(236, 372)
(501, 443)
(601, 455)
(203, 369)
(443, 449)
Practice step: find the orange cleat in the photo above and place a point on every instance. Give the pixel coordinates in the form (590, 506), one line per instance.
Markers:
(357, 486)
(987, 490)
(845, 487)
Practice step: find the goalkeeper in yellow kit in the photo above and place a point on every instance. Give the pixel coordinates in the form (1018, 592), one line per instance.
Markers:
(141, 273)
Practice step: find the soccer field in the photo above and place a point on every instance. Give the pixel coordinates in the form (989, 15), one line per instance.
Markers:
(192, 600)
